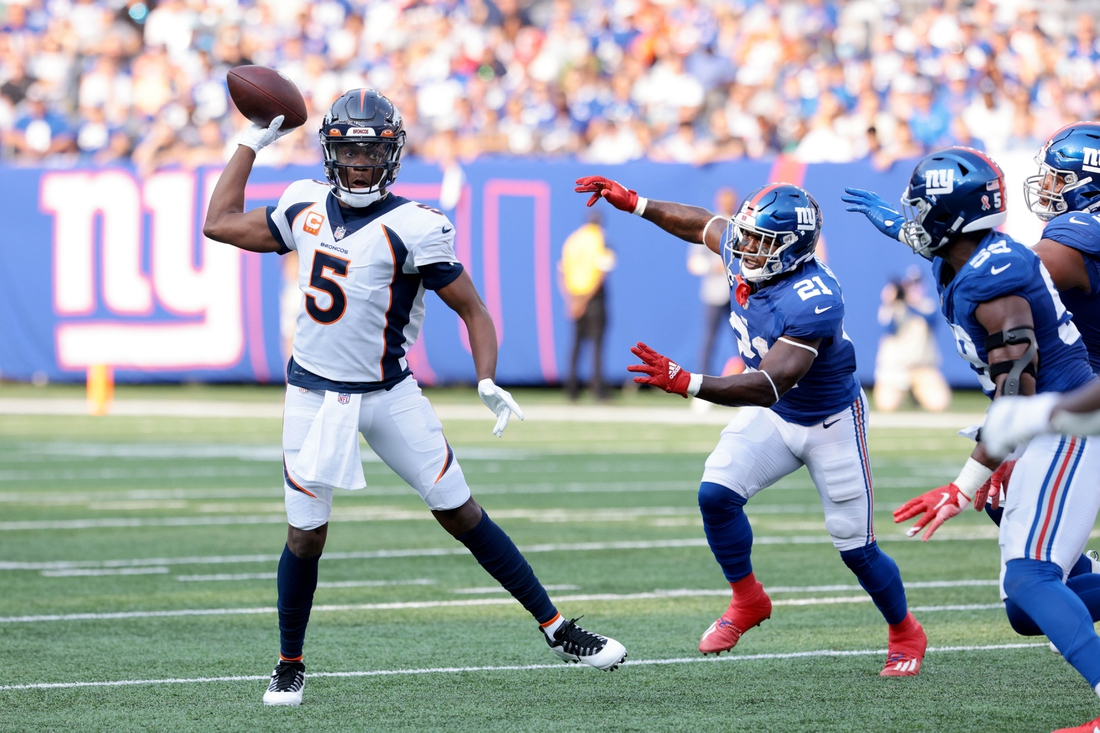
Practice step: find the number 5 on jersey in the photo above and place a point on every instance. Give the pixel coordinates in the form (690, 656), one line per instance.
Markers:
(317, 279)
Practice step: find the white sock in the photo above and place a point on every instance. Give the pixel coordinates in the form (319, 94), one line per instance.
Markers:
(1097, 689)
(553, 626)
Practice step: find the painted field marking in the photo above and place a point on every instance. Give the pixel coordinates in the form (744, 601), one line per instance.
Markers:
(409, 605)
(86, 572)
(817, 654)
(442, 552)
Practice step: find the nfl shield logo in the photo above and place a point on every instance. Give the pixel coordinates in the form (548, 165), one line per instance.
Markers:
(343, 398)
(339, 232)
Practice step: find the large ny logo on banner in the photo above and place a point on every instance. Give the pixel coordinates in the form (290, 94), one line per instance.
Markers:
(129, 290)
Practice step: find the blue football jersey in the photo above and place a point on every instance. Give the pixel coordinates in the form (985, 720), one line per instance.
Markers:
(806, 304)
(1000, 267)
(1082, 233)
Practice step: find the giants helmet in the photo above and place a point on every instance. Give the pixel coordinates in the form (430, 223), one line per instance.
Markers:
(951, 191)
(786, 221)
(1071, 158)
(368, 120)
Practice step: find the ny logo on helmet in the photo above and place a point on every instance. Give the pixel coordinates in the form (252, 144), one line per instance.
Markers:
(939, 181)
(1091, 160)
(807, 218)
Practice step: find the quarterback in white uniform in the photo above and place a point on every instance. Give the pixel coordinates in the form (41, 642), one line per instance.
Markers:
(365, 258)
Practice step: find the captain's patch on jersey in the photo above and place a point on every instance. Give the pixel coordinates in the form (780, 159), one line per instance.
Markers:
(313, 222)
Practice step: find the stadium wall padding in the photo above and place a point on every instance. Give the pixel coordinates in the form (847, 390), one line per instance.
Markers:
(101, 266)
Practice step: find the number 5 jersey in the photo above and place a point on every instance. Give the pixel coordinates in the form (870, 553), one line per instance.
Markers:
(363, 273)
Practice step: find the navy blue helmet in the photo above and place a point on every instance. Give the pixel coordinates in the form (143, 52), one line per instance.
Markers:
(362, 121)
(777, 227)
(1069, 173)
(951, 191)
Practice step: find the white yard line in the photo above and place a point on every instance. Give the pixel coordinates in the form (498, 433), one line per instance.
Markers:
(444, 551)
(816, 654)
(112, 571)
(579, 597)
(539, 413)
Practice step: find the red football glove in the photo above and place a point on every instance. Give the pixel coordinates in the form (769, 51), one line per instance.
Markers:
(993, 488)
(937, 505)
(662, 371)
(621, 198)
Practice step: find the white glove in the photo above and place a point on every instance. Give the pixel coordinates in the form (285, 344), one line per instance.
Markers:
(500, 402)
(259, 137)
(1012, 421)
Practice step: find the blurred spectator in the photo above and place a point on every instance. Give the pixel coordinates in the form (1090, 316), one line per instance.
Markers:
(714, 285)
(607, 80)
(585, 263)
(908, 359)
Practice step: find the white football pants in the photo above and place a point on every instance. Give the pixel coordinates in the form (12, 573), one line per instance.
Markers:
(758, 448)
(400, 426)
(1051, 501)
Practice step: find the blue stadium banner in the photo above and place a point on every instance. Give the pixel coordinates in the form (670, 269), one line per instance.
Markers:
(103, 267)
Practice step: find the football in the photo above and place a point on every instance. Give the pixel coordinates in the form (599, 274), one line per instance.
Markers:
(262, 94)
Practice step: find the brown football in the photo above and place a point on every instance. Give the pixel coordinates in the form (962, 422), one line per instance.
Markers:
(262, 94)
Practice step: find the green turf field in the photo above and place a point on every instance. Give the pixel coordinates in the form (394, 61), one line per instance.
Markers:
(139, 553)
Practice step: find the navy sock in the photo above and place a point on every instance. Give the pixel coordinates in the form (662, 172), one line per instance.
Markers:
(297, 581)
(727, 528)
(878, 574)
(1036, 589)
(1083, 566)
(1085, 586)
(502, 559)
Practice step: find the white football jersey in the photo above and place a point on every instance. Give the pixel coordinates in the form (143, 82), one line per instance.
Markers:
(362, 273)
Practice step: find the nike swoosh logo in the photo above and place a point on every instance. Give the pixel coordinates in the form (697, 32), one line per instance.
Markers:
(828, 425)
(822, 310)
(447, 229)
(999, 270)
(946, 497)
(1082, 223)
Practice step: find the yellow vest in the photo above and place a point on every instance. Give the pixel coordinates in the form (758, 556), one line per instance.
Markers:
(585, 260)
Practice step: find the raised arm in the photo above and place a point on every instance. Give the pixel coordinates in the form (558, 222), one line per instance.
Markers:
(691, 223)
(226, 219)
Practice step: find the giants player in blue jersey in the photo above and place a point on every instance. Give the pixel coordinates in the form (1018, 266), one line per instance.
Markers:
(802, 404)
(366, 257)
(1012, 327)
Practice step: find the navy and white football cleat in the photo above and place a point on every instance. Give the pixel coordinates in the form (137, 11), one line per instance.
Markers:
(287, 682)
(573, 644)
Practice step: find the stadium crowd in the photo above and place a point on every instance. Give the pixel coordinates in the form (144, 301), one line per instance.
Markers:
(106, 81)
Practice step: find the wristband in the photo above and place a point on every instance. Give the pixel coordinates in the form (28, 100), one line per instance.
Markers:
(971, 478)
(640, 208)
(694, 384)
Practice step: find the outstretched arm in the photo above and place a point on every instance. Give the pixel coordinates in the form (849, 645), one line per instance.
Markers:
(462, 297)
(787, 362)
(691, 223)
(226, 219)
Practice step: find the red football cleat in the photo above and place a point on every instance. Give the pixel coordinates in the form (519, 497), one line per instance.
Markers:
(906, 649)
(743, 614)
(1093, 726)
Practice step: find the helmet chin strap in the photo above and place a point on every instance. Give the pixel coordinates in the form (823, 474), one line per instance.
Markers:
(357, 200)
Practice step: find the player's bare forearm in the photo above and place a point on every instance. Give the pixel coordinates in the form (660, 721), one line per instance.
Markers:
(1003, 314)
(780, 370)
(1085, 399)
(1065, 265)
(680, 220)
(462, 297)
(979, 455)
(226, 219)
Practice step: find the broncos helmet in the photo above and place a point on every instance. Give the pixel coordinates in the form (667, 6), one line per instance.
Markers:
(362, 120)
(951, 191)
(1072, 158)
(779, 223)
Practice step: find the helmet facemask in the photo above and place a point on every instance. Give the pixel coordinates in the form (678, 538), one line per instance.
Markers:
(360, 169)
(913, 232)
(1045, 198)
(746, 241)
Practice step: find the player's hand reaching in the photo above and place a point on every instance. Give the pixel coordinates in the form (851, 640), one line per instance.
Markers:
(616, 194)
(884, 216)
(995, 487)
(1012, 421)
(935, 507)
(660, 371)
(259, 137)
(500, 402)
